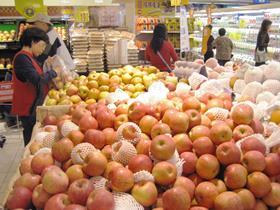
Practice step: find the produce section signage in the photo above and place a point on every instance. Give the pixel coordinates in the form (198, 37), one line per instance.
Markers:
(81, 14)
(154, 8)
(30, 8)
(261, 1)
(6, 92)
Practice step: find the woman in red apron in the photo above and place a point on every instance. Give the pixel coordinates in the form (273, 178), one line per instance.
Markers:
(29, 82)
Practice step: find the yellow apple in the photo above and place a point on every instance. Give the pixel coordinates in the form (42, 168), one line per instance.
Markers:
(126, 78)
(174, 80)
(136, 80)
(115, 79)
(92, 84)
(103, 79)
(75, 99)
(104, 88)
(83, 91)
(139, 87)
(103, 95)
(51, 102)
(93, 93)
(130, 88)
(134, 95)
(65, 102)
(90, 101)
(147, 80)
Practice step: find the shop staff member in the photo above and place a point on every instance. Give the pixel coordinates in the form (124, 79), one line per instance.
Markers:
(160, 51)
(29, 82)
(56, 46)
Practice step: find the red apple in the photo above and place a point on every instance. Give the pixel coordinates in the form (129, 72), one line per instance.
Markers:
(88, 122)
(40, 197)
(205, 194)
(107, 152)
(122, 179)
(121, 109)
(198, 208)
(140, 163)
(25, 165)
(242, 114)
(57, 202)
(105, 119)
(247, 198)
(257, 126)
(183, 143)
(61, 150)
(235, 176)
(20, 197)
(147, 123)
(221, 187)
(252, 143)
(207, 166)
(206, 97)
(110, 167)
(220, 133)
(254, 161)
(58, 177)
(74, 207)
(96, 138)
(164, 173)
(110, 136)
(199, 131)
(75, 172)
(229, 201)
(203, 145)
(179, 122)
(242, 131)
(79, 191)
(272, 199)
(160, 129)
(176, 198)
(95, 164)
(119, 120)
(35, 146)
(76, 137)
(228, 153)
(162, 147)
(136, 111)
(49, 120)
(143, 147)
(215, 102)
(260, 205)
(195, 117)
(145, 193)
(259, 184)
(187, 184)
(28, 180)
(272, 161)
(100, 200)
(190, 162)
(196, 179)
(41, 161)
(191, 103)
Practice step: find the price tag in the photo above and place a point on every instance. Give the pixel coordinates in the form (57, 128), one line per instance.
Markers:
(6, 92)
(175, 2)
(3, 46)
(81, 14)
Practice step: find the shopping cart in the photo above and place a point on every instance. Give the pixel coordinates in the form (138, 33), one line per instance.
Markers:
(6, 96)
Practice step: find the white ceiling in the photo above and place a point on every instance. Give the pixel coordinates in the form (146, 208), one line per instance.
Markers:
(227, 1)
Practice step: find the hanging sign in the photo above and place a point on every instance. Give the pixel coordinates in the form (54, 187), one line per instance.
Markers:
(81, 14)
(30, 8)
(184, 30)
(179, 2)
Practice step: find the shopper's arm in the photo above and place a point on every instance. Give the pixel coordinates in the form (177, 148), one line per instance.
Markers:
(214, 44)
(173, 53)
(26, 72)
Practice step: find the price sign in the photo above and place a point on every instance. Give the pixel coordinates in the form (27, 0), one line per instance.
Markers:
(30, 8)
(81, 14)
(175, 2)
(6, 92)
(261, 1)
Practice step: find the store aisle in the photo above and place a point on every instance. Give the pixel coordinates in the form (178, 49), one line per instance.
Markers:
(10, 156)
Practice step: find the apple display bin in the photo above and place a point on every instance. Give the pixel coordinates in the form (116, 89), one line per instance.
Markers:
(41, 112)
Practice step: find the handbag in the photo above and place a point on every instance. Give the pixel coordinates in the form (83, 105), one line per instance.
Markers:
(260, 56)
(164, 61)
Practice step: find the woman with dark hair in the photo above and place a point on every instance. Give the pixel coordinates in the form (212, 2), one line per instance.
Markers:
(208, 39)
(262, 43)
(160, 51)
(29, 82)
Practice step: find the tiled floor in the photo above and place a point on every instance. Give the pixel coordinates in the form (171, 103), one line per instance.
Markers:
(10, 156)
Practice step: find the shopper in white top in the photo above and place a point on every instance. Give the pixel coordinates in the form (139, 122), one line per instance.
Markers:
(57, 45)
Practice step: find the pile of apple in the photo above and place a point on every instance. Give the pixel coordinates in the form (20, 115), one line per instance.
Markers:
(7, 36)
(98, 85)
(169, 156)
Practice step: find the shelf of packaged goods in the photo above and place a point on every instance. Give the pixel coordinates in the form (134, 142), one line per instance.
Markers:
(11, 45)
(151, 32)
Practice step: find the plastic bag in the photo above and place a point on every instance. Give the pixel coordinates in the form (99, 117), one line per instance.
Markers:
(184, 69)
(63, 74)
(182, 88)
(118, 95)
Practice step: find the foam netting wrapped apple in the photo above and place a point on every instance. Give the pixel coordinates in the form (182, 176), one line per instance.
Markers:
(97, 86)
(177, 152)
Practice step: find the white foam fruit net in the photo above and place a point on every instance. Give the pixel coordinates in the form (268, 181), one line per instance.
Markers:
(184, 69)
(239, 86)
(123, 151)
(50, 139)
(252, 90)
(39, 137)
(43, 150)
(272, 86)
(118, 95)
(124, 201)
(195, 80)
(67, 127)
(80, 152)
(133, 129)
(182, 88)
(265, 96)
(217, 113)
(99, 182)
(253, 75)
(211, 86)
(272, 71)
(143, 176)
